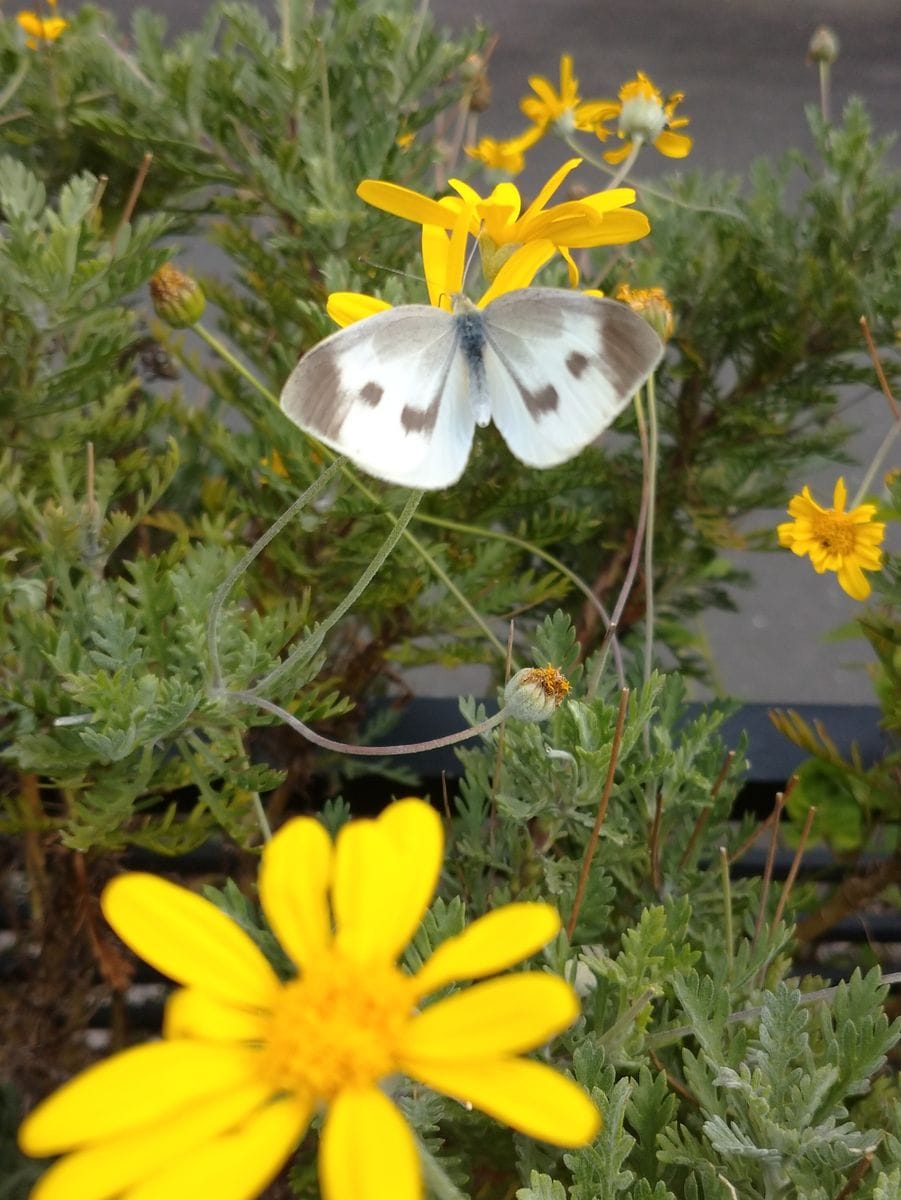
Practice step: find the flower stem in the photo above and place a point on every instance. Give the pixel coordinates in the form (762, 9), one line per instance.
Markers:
(449, 739)
(627, 164)
(653, 446)
(878, 459)
(246, 559)
(308, 647)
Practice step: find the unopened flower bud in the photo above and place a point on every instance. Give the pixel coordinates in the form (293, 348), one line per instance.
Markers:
(534, 693)
(177, 298)
(652, 305)
(823, 46)
(475, 73)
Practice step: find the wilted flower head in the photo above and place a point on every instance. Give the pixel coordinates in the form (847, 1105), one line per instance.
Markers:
(651, 304)
(177, 298)
(535, 693)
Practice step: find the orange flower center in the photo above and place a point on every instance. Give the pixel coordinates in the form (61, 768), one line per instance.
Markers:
(834, 531)
(338, 1026)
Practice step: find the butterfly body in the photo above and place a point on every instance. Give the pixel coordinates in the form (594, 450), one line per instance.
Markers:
(401, 392)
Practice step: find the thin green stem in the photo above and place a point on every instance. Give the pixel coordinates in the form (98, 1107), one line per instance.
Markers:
(653, 449)
(824, 90)
(438, 1182)
(325, 743)
(224, 353)
(217, 346)
(327, 135)
(625, 590)
(14, 82)
(640, 185)
(728, 933)
(287, 33)
(627, 164)
(878, 459)
(224, 588)
(308, 647)
(530, 547)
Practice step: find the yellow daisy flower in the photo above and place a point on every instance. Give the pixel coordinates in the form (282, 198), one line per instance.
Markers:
(40, 29)
(845, 542)
(644, 116)
(508, 156)
(501, 225)
(564, 109)
(247, 1060)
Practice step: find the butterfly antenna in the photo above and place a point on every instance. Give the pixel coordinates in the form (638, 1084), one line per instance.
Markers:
(367, 262)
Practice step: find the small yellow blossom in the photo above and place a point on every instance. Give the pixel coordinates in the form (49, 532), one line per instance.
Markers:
(508, 156)
(565, 110)
(644, 116)
(845, 542)
(650, 303)
(248, 1060)
(40, 29)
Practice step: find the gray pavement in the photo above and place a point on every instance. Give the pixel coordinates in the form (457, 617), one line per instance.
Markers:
(741, 66)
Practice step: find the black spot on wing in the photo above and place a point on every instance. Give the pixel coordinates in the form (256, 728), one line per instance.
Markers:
(538, 403)
(576, 363)
(371, 394)
(421, 420)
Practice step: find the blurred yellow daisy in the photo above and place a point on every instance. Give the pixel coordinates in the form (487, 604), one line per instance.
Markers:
(508, 155)
(845, 542)
(563, 109)
(247, 1060)
(644, 116)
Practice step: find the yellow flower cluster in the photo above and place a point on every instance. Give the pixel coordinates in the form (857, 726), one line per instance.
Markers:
(643, 117)
(40, 30)
(514, 242)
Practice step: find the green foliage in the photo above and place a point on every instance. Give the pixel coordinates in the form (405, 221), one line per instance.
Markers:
(137, 660)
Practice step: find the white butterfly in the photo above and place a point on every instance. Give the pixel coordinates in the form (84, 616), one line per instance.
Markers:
(401, 392)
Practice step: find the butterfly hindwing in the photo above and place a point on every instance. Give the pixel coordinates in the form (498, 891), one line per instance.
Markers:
(392, 393)
(559, 368)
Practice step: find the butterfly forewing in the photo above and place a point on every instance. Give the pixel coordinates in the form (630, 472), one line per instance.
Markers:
(392, 393)
(559, 368)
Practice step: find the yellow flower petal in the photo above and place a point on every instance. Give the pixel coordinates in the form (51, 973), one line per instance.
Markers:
(295, 876)
(194, 1014)
(366, 1151)
(188, 939)
(385, 874)
(529, 1096)
(346, 308)
(673, 145)
(404, 203)
(132, 1089)
(106, 1170)
(550, 187)
(502, 1016)
(490, 944)
(616, 156)
(853, 581)
(234, 1166)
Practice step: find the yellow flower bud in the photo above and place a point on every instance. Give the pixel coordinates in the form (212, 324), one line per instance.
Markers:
(177, 298)
(534, 693)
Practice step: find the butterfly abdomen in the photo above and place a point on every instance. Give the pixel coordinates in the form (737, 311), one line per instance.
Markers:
(471, 340)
